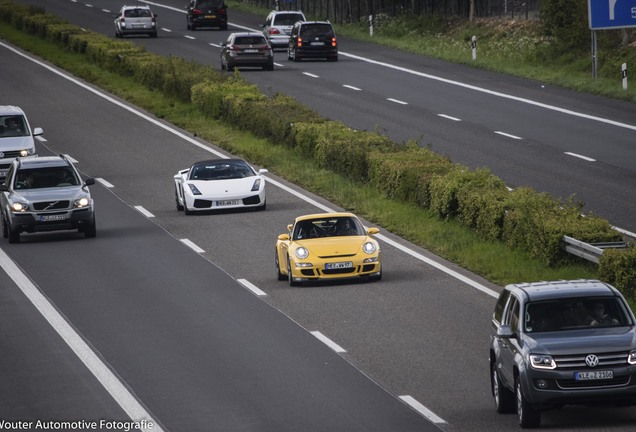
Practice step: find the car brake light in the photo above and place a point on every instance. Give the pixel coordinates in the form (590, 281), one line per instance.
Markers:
(196, 11)
(333, 41)
(273, 31)
(122, 19)
(234, 48)
(300, 41)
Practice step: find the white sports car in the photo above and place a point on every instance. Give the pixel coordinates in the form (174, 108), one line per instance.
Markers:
(219, 184)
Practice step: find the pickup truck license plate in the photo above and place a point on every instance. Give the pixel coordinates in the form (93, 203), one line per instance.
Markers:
(338, 265)
(596, 375)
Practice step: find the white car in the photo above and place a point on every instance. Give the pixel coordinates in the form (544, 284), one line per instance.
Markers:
(16, 137)
(219, 184)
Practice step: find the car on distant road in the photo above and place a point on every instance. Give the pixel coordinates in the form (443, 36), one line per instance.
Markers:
(561, 343)
(312, 39)
(327, 246)
(135, 20)
(278, 26)
(246, 49)
(218, 184)
(16, 137)
(206, 13)
(45, 194)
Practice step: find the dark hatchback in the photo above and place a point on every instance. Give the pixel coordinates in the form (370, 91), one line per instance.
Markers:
(206, 13)
(246, 49)
(312, 39)
(561, 343)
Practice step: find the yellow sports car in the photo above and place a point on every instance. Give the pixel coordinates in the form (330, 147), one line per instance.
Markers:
(327, 246)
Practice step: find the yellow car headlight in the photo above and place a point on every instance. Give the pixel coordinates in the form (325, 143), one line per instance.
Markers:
(301, 253)
(369, 248)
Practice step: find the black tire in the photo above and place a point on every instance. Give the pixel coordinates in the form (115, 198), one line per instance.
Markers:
(5, 229)
(280, 276)
(230, 66)
(529, 417)
(153, 34)
(291, 281)
(224, 27)
(90, 230)
(176, 198)
(263, 207)
(377, 277)
(289, 56)
(186, 210)
(332, 59)
(504, 397)
(269, 67)
(14, 235)
(296, 58)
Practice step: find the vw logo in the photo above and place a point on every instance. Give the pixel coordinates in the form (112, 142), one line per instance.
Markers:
(591, 360)
(1, 154)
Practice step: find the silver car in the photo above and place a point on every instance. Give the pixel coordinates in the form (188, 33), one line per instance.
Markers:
(278, 26)
(45, 194)
(134, 20)
(16, 137)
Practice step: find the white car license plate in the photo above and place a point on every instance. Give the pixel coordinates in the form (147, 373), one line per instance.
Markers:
(338, 265)
(596, 375)
(317, 43)
(50, 218)
(250, 51)
(227, 203)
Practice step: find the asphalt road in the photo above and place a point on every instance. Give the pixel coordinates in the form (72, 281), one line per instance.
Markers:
(197, 349)
(526, 132)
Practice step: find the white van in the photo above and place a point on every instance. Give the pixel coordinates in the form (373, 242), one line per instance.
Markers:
(16, 137)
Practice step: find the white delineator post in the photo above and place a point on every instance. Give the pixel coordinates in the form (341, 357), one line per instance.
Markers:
(473, 46)
(370, 25)
(624, 75)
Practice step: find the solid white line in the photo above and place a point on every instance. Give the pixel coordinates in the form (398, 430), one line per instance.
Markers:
(76, 343)
(250, 286)
(449, 117)
(413, 403)
(331, 344)
(106, 10)
(214, 45)
(352, 87)
(589, 159)
(310, 75)
(166, 30)
(189, 37)
(104, 182)
(397, 101)
(40, 138)
(508, 135)
(491, 92)
(144, 212)
(192, 246)
(279, 64)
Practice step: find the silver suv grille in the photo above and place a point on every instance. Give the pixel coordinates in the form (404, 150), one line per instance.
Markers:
(51, 205)
(577, 361)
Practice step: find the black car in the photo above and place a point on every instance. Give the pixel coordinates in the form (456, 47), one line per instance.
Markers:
(206, 13)
(561, 343)
(312, 39)
(246, 49)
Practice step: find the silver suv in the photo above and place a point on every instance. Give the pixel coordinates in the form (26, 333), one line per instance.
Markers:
(278, 26)
(559, 343)
(16, 137)
(45, 194)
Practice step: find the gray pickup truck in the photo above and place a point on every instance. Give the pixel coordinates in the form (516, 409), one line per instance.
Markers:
(561, 343)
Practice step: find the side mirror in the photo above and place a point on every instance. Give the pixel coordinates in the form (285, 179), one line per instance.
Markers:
(263, 171)
(4, 187)
(505, 331)
(373, 230)
(283, 237)
(37, 131)
(89, 181)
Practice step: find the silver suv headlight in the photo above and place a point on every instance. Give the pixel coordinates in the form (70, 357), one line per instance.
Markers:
(82, 202)
(631, 358)
(19, 207)
(541, 361)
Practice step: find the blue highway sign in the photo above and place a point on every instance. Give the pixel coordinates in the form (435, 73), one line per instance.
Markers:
(611, 14)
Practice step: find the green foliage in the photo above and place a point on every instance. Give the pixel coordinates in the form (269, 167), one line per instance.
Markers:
(567, 22)
(618, 267)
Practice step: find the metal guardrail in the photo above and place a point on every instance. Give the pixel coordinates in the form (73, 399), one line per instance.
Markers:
(590, 251)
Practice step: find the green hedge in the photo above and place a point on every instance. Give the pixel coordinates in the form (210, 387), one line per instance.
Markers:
(523, 218)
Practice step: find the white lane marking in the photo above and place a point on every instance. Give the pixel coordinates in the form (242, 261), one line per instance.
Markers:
(397, 101)
(71, 159)
(40, 138)
(589, 159)
(331, 344)
(89, 5)
(214, 45)
(508, 135)
(351, 87)
(492, 93)
(413, 403)
(310, 75)
(166, 30)
(192, 246)
(106, 10)
(78, 345)
(189, 37)
(250, 286)
(279, 64)
(104, 182)
(449, 117)
(144, 212)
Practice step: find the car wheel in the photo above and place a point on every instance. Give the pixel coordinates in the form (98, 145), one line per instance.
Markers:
(187, 211)
(230, 66)
(90, 230)
(529, 417)
(176, 198)
(224, 27)
(269, 67)
(280, 276)
(289, 56)
(504, 398)
(290, 279)
(377, 277)
(263, 207)
(153, 34)
(5, 229)
(296, 58)
(14, 235)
